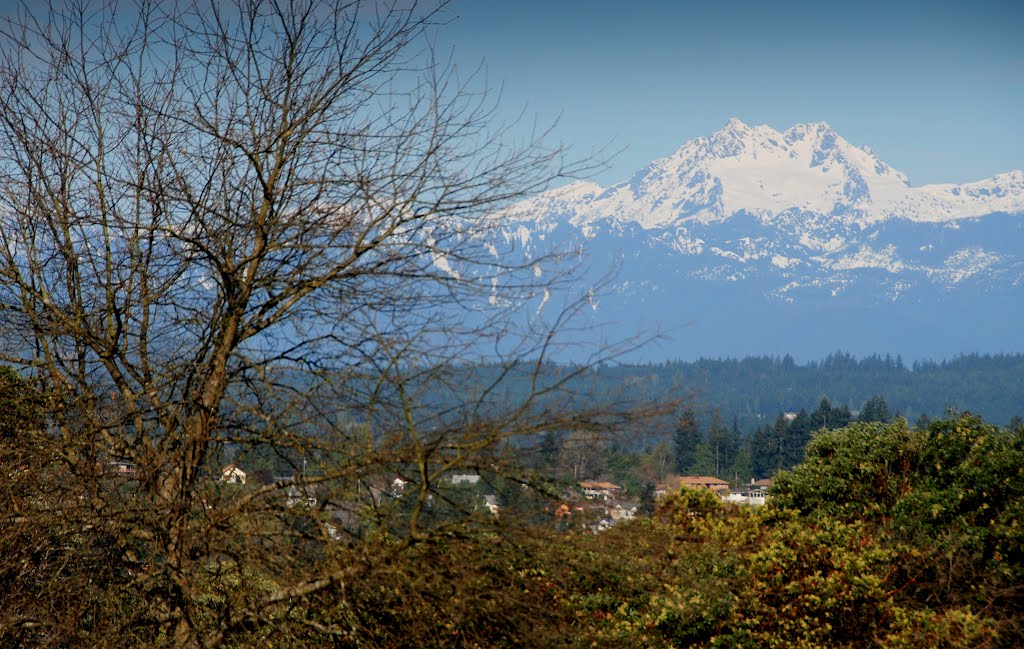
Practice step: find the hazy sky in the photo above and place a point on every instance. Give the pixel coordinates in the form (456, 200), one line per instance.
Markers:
(935, 88)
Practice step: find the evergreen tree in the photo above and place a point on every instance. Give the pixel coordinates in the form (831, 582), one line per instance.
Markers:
(742, 470)
(686, 437)
(821, 415)
(546, 456)
(771, 452)
(759, 458)
(720, 442)
(798, 435)
(621, 465)
(647, 500)
(703, 460)
(737, 442)
(875, 409)
(828, 416)
(841, 416)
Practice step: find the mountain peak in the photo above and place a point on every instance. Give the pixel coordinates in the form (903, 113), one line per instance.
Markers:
(813, 127)
(792, 220)
(732, 139)
(735, 124)
(820, 134)
(809, 169)
(737, 137)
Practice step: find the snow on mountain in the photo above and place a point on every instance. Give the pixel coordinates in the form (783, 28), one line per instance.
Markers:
(760, 171)
(945, 202)
(794, 240)
(885, 259)
(561, 203)
(803, 206)
(963, 264)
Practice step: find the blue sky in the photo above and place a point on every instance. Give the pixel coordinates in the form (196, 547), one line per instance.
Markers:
(935, 88)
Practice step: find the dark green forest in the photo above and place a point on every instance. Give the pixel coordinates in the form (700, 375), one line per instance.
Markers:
(734, 419)
(751, 418)
(756, 389)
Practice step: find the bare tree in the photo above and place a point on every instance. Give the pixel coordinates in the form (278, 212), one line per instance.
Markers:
(582, 454)
(246, 227)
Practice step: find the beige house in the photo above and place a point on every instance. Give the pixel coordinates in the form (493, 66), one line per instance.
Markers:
(717, 485)
(122, 468)
(232, 474)
(593, 489)
(674, 483)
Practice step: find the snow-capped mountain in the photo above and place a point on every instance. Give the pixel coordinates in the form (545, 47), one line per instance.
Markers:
(760, 171)
(788, 228)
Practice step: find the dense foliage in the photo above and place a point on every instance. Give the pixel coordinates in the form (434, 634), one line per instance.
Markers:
(885, 536)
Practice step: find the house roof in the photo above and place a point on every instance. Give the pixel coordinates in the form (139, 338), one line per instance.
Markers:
(593, 484)
(702, 480)
(673, 482)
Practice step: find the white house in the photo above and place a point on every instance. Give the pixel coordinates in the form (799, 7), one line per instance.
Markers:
(491, 503)
(622, 512)
(398, 487)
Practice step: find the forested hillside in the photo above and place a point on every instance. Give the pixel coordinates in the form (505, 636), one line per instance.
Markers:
(735, 419)
(747, 419)
(756, 389)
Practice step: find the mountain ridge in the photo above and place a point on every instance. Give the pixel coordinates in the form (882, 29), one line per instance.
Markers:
(764, 241)
(757, 169)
